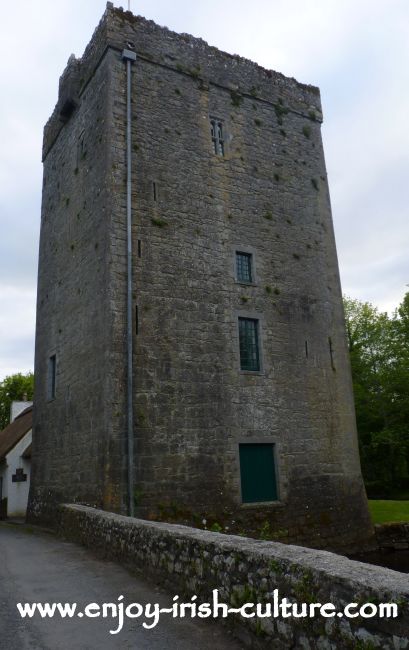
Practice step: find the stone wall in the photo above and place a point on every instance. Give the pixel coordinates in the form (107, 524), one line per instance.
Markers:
(393, 536)
(192, 210)
(75, 450)
(243, 570)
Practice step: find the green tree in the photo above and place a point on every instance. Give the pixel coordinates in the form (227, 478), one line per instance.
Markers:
(379, 352)
(14, 387)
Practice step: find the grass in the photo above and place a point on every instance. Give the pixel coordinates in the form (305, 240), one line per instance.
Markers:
(160, 223)
(236, 98)
(388, 511)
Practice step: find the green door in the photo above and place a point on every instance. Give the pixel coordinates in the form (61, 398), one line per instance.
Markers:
(257, 470)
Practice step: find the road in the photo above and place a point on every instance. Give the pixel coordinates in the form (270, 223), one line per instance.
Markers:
(35, 566)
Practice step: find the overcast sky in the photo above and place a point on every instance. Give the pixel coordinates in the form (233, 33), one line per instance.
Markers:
(356, 51)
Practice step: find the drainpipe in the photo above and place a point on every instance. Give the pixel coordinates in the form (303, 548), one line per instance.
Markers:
(129, 57)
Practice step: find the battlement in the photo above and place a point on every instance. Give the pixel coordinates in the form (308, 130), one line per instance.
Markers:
(187, 55)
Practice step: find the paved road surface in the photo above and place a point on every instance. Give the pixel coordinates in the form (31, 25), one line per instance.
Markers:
(37, 567)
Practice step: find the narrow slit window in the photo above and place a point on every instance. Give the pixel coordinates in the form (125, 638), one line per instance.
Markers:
(331, 352)
(52, 368)
(216, 130)
(244, 267)
(249, 344)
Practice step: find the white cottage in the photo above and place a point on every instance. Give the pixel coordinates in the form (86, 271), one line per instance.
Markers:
(15, 464)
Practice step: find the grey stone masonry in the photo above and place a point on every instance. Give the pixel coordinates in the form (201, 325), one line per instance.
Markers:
(192, 562)
(392, 536)
(193, 209)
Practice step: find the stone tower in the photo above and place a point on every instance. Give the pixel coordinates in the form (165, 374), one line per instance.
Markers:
(241, 407)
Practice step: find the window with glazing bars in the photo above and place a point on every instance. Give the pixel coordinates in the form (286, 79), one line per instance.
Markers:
(249, 344)
(216, 128)
(243, 267)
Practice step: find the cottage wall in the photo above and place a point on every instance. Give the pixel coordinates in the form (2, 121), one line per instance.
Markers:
(16, 493)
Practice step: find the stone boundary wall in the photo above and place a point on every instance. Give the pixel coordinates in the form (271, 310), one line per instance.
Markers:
(394, 536)
(191, 561)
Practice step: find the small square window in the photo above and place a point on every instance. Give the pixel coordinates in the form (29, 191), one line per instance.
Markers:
(249, 344)
(51, 379)
(257, 472)
(244, 267)
(216, 130)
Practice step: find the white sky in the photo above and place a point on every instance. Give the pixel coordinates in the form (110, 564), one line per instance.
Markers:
(356, 51)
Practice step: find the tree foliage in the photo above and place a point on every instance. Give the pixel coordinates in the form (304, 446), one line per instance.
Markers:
(379, 352)
(14, 387)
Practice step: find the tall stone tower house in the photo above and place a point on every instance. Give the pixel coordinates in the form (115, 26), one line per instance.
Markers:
(236, 405)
